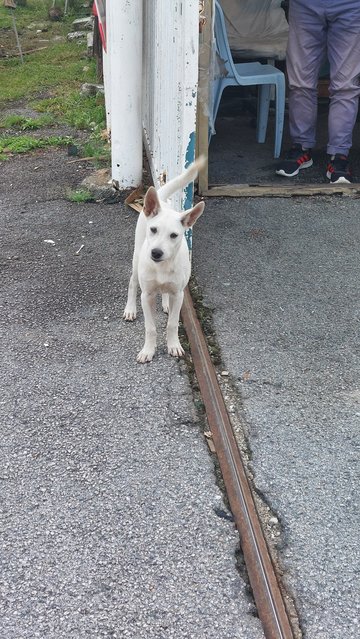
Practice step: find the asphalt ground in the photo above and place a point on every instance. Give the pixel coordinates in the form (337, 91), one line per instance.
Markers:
(284, 284)
(282, 277)
(112, 523)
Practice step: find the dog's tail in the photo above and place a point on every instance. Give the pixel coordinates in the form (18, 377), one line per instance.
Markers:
(178, 183)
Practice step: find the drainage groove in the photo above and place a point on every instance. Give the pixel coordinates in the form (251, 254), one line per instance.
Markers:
(268, 597)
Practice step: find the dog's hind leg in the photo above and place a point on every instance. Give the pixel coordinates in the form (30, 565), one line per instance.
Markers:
(172, 329)
(148, 304)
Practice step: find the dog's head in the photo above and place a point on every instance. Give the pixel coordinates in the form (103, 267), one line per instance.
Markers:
(166, 227)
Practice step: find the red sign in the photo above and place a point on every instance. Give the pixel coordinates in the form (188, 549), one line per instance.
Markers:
(99, 9)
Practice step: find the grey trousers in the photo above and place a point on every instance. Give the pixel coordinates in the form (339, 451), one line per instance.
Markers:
(320, 29)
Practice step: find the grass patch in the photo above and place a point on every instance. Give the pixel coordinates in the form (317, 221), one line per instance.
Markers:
(21, 123)
(37, 11)
(79, 111)
(85, 113)
(56, 65)
(50, 79)
(34, 11)
(97, 149)
(80, 196)
(24, 143)
(55, 71)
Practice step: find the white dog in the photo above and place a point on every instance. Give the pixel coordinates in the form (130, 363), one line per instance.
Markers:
(161, 261)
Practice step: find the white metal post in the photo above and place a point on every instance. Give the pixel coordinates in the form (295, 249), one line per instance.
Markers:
(124, 25)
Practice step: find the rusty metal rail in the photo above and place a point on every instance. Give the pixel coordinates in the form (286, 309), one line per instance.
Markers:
(261, 571)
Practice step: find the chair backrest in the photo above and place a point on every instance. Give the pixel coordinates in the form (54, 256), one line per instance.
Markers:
(255, 28)
(222, 44)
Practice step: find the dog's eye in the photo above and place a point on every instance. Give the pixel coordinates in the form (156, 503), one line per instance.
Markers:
(173, 235)
(153, 229)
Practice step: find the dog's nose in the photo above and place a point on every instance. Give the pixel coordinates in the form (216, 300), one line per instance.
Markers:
(156, 254)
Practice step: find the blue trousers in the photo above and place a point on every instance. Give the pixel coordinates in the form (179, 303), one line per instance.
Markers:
(320, 29)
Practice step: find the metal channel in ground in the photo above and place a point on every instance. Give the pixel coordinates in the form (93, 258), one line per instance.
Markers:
(261, 571)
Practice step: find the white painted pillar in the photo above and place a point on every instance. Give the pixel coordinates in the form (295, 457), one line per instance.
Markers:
(124, 23)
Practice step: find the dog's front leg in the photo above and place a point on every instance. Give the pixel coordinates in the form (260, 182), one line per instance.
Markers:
(165, 302)
(148, 304)
(172, 330)
(130, 308)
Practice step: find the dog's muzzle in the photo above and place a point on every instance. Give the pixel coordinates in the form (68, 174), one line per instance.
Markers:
(156, 255)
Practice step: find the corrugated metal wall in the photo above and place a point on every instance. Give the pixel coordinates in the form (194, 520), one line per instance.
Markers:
(170, 69)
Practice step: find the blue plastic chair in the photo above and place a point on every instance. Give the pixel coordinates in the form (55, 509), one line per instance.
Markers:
(249, 74)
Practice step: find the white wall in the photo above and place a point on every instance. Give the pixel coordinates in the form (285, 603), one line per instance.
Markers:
(170, 75)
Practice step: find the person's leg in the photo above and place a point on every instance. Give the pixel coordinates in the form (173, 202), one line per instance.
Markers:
(344, 59)
(305, 53)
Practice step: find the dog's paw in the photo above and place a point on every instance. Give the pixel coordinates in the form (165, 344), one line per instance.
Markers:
(129, 314)
(176, 350)
(145, 355)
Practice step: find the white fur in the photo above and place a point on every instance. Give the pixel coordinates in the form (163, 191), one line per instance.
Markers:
(161, 261)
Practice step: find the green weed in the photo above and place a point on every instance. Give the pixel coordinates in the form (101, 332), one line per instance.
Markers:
(81, 112)
(26, 124)
(80, 196)
(23, 144)
(97, 149)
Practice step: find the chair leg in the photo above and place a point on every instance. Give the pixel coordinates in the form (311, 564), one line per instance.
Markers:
(218, 91)
(279, 115)
(263, 111)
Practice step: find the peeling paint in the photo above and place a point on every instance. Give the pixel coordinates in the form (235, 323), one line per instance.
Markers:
(189, 159)
(188, 237)
(189, 190)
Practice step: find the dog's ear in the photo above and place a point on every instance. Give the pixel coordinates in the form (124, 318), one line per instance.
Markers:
(151, 202)
(191, 216)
